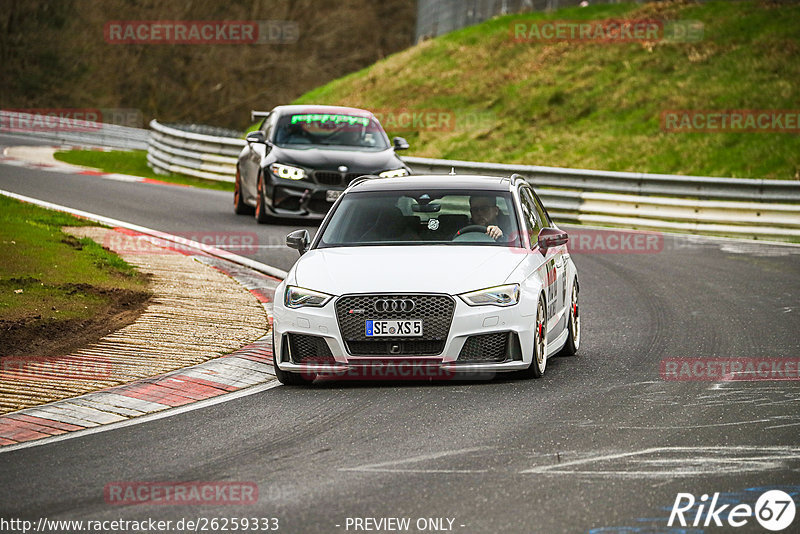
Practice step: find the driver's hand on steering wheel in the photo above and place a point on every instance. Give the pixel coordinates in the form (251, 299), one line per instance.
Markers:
(494, 232)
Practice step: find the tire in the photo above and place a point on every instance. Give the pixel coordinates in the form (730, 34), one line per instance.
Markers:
(261, 210)
(573, 342)
(539, 359)
(239, 207)
(285, 377)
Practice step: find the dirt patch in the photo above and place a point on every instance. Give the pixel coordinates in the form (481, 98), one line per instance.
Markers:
(35, 336)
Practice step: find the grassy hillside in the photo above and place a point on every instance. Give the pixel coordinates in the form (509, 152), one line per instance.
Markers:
(598, 105)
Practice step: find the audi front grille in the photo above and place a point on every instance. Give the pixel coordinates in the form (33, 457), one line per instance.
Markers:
(435, 311)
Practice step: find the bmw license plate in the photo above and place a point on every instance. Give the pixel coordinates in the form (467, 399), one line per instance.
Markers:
(331, 196)
(394, 328)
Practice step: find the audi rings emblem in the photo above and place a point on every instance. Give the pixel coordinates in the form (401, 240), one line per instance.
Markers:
(394, 305)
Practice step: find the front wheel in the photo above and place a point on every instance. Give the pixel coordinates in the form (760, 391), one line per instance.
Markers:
(573, 326)
(285, 377)
(261, 210)
(239, 206)
(539, 358)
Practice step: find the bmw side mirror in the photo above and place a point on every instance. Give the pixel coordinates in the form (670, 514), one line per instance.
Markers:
(551, 237)
(256, 137)
(298, 240)
(400, 143)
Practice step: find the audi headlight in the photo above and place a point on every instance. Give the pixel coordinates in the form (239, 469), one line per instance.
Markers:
(287, 171)
(506, 295)
(298, 297)
(394, 173)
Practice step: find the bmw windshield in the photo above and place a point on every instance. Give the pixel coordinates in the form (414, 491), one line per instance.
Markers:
(306, 130)
(424, 217)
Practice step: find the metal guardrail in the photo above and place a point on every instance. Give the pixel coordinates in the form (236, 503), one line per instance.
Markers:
(699, 204)
(744, 189)
(88, 133)
(170, 150)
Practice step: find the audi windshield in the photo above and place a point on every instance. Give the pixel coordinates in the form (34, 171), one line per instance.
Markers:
(305, 130)
(429, 217)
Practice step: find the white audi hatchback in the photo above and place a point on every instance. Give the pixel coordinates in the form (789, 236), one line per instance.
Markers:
(427, 277)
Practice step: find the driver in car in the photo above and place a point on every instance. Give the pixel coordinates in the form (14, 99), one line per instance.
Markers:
(484, 212)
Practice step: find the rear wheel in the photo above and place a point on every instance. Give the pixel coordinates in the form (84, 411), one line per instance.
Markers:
(261, 210)
(573, 326)
(239, 207)
(539, 358)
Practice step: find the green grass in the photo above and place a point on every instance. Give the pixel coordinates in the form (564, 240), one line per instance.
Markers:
(47, 275)
(593, 105)
(133, 162)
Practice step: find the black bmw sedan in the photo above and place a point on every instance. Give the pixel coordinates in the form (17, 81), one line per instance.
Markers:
(302, 157)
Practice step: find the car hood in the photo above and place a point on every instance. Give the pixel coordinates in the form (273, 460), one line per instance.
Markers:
(449, 269)
(330, 159)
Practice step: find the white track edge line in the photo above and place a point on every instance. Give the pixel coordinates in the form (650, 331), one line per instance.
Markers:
(252, 390)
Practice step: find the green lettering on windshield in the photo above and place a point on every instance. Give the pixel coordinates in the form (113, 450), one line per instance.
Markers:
(324, 117)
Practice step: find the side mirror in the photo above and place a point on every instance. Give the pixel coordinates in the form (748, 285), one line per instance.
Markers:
(400, 143)
(551, 237)
(256, 137)
(298, 240)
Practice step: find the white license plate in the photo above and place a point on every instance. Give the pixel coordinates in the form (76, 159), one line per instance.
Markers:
(331, 196)
(393, 328)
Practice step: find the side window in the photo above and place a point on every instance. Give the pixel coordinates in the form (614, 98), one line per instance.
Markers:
(541, 212)
(266, 127)
(529, 213)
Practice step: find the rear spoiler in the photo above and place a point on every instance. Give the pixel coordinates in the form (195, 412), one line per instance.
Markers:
(259, 114)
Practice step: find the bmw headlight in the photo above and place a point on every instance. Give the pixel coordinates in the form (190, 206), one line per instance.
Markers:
(298, 297)
(506, 295)
(287, 171)
(394, 173)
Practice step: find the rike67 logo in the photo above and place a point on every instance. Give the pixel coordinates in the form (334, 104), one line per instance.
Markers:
(774, 510)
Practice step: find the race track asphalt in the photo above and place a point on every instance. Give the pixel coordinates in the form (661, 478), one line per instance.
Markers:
(602, 443)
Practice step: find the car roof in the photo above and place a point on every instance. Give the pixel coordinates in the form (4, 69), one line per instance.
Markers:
(313, 108)
(436, 181)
